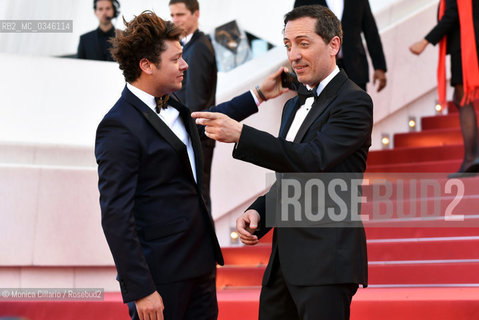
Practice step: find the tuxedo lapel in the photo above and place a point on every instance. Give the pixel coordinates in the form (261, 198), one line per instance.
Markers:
(320, 105)
(192, 130)
(288, 117)
(192, 40)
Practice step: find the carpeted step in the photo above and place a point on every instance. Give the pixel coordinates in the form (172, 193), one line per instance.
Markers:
(415, 303)
(239, 276)
(424, 249)
(401, 272)
(438, 137)
(440, 122)
(424, 272)
(415, 154)
(444, 166)
(378, 250)
(374, 232)
(247, 255)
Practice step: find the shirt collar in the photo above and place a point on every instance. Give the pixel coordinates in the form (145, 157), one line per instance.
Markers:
(146, 98)
(187, 39)
(326, 80)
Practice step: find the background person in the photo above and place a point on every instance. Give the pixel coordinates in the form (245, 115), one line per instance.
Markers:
(457, 31)
(199, 83)
(95, 44)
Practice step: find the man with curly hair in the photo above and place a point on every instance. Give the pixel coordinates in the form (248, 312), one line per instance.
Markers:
(95, 45)
(148, 151)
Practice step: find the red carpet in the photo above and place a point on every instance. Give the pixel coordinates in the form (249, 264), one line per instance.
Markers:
(242, 304)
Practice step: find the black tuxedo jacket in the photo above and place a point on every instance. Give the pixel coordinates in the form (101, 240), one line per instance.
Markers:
(153, 215)
(334, 137)
(357, 17)
(94, 45)
(199, 82)
(449, 26)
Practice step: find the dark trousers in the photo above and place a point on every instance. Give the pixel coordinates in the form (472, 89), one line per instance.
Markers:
(208, 146)
(340, 64)
(280, 300)
(193, 299)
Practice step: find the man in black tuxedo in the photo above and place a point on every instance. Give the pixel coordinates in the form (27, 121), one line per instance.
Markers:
(356, 17)
(313, 272)
(148, 152)
(95, 45)
(199, 84)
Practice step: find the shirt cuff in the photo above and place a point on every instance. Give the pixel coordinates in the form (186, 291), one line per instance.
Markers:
(255, 98)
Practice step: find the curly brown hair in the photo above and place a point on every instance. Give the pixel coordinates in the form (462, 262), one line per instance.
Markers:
(144, 37)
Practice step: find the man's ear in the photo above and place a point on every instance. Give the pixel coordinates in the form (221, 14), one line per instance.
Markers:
(145, 66)
(197, 14)
(334, 45)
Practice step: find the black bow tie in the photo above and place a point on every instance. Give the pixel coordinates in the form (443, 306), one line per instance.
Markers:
(304, 93)
(161, 103)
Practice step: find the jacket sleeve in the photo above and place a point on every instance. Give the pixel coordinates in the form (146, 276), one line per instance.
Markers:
(373, 39)
(448, 22)
(238, 108)
(117, 154)
(347, 128)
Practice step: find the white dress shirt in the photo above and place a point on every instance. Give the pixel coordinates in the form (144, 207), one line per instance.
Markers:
(307, 106)
(171, 117)
(337, 7)
(186, 39)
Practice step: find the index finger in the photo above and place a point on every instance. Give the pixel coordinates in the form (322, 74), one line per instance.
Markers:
(205, 115)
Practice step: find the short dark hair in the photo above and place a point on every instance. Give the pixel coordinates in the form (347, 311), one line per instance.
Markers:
(192, 5)
(144, 37)
(115, 4)
(328, 25)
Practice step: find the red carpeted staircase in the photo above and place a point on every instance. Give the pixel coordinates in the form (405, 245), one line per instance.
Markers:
(417, 269)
